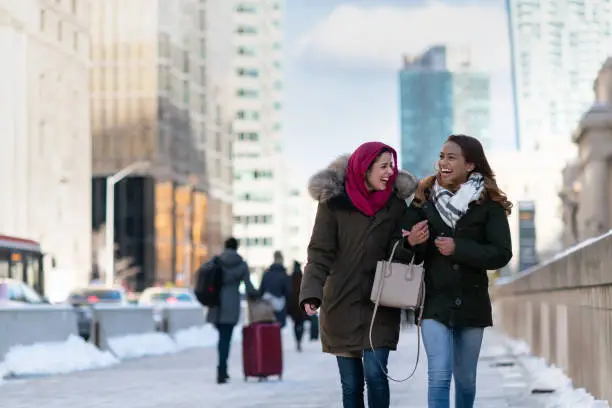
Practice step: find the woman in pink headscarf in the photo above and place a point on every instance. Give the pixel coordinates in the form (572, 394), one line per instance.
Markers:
(361, 205)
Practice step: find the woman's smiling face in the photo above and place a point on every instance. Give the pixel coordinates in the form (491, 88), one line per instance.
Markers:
(380, 172)
(453, 170)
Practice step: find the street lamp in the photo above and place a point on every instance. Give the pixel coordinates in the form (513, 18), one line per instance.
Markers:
(110, 216)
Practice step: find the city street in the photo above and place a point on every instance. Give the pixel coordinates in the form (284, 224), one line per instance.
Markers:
(186, 380)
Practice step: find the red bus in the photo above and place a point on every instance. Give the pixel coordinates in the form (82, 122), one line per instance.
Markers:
(22, 260)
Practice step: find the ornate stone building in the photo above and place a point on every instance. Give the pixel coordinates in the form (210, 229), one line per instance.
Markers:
(587, 191)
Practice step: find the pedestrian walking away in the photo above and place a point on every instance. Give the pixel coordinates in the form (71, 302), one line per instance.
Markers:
(297, 313)
(361, 206)
(457, 225)
(226, 315)
(276, 288)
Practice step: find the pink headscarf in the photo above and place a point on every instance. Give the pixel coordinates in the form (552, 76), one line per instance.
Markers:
(367, 202)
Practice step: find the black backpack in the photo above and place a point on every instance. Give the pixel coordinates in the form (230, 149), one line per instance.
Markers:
(209, 282)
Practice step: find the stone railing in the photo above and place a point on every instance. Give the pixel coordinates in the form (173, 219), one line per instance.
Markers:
(563, 309)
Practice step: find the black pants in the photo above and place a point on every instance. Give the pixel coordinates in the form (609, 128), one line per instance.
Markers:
(298, 330)
(223, 346)
(314, 327)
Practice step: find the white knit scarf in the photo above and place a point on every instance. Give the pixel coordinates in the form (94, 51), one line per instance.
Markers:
(452, 207)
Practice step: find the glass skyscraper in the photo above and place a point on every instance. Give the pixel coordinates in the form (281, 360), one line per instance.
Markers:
(558, 46)
(440, 94)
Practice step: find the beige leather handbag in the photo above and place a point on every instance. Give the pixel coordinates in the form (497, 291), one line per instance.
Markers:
(260, 311)
(399, 286)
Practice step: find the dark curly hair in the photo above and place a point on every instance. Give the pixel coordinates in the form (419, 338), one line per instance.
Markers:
(473, 153)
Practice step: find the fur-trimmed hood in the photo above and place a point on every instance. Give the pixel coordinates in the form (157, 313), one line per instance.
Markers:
(329, 183)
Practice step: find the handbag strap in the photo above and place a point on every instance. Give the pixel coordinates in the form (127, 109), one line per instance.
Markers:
(419, 320)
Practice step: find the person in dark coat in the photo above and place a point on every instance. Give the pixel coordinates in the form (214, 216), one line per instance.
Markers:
(457, 224)
(298, 315)
(361, 206)
(276, 288)
(226, 316)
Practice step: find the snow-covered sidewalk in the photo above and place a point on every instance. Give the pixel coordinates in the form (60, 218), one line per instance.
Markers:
(542, 385)
(310, 379)
(74, 354)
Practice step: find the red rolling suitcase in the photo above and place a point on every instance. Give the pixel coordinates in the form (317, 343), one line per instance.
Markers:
(262, 350)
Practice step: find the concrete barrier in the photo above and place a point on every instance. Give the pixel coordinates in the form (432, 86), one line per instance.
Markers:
(563, 309)
(27, 325)
(181, 317)
(118, 321)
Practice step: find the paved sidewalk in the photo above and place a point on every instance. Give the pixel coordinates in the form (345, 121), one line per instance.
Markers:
(186, 380)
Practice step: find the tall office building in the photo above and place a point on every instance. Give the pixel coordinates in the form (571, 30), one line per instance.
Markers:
(219, 140)
(558, 46)
(45, 159)
(150, 104)
(257, 87)
(440, 94)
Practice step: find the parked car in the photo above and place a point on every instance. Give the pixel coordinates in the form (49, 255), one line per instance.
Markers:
(17, 293)
(83, 299)
(159, 297)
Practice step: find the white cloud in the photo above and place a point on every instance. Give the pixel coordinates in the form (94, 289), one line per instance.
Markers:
(379, 36)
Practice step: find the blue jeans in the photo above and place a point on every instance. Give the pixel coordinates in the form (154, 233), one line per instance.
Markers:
(451, 352)
(353, 372)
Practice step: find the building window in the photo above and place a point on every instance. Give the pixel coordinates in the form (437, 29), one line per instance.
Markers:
(249, 115)
(261, 197)
(246, 8)
(253, 219)
(248, 136)
(74, 6)
(257, 241)
(60, 30)
(277, 64)
(278, 85)
(248, 51)
(278, 105)
(249, 72)
(42, 20)
(75, 41)
(247, 93)
(262, 174)
(249, 30)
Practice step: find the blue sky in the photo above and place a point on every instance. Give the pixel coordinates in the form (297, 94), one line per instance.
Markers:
(342, 61)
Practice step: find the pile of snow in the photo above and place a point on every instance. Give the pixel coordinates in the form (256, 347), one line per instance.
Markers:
(197, 336)
(141, 345)
(545, 378)
(202, 336)
(494, 352)
(55, 358)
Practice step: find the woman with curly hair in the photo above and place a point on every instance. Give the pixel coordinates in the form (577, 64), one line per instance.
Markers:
(457, 224)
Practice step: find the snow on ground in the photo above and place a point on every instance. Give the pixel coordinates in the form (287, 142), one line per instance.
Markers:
(75, 354)
(199, 336)
(546, 379)
(54, 358)
(141, 345)
(202, 336)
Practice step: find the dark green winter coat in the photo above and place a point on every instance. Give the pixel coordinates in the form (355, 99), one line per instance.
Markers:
(342, 255)
(457, 286)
